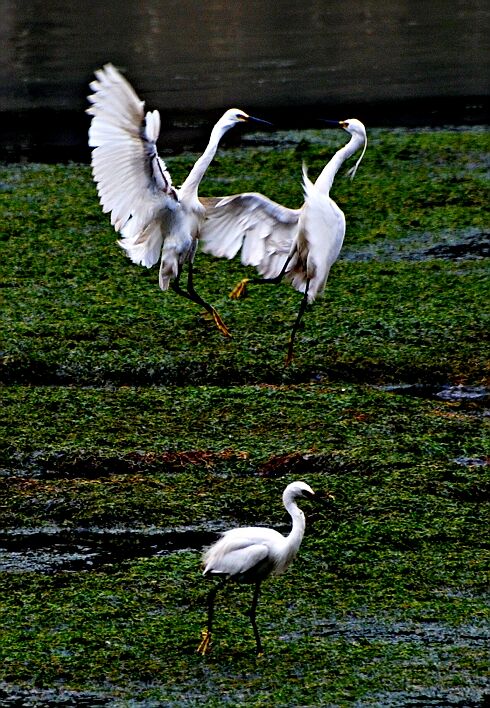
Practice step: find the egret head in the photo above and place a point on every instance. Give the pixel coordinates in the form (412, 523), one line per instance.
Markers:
(358, 131)
(298, 489)
(353, 126)
(234, 115)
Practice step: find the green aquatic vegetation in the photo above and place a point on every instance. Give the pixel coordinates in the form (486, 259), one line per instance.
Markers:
(125, 415)
(260, 421)
(358, 331)
(78, 310)
(139, 627)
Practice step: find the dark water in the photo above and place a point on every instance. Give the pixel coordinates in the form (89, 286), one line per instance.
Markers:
(412, 61)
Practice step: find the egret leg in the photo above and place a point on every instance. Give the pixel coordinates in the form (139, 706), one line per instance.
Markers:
(240, 290)
(302, 308)
(193, 296)
(252, 615)
(204, 646)
(175, 285)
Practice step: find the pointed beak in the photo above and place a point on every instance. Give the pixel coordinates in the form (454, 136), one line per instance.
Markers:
(259, 120)
(336, 123)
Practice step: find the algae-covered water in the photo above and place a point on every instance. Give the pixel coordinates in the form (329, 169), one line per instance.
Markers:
(133, 433)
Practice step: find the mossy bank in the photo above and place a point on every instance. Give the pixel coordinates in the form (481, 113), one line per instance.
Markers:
(132, 433)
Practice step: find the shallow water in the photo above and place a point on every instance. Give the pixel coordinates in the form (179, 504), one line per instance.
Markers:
(260, 52)
(477, 394)
(51, 549)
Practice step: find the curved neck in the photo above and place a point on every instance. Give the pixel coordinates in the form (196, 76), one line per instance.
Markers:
(298, 529)
(191, 183)
(326, 177)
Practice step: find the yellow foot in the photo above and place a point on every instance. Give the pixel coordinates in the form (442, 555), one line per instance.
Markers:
(240, 290)
(204, 646)
(221, 325)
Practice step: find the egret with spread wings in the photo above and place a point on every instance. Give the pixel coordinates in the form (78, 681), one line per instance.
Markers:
(298, 244)
(156, 220)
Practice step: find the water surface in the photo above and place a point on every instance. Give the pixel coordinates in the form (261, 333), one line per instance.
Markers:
(419, 60)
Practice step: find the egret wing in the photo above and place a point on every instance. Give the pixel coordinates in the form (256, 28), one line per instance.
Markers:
(133, 182)
(238, 562)
(251, 223)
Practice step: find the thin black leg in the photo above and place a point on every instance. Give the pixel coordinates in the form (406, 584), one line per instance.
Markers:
(175, 285)
(209, 308)
(252, 615)
(278, 278)
(204, 646)
(211, 598)
(302, 308)
(193, 296)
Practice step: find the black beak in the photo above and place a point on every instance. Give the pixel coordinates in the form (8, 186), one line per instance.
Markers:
(336, 123)
(259, 120)
(324, 503)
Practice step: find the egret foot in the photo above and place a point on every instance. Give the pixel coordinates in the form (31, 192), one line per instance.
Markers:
(204, 646)
(240, 290)
(220, 324)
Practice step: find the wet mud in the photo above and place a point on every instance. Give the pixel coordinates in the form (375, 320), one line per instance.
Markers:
(429, 637)
(13, 697)
(43, 465)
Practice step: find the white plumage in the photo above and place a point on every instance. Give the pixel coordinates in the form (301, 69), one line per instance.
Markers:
(155, 220)
(251, 554)
(298, 244)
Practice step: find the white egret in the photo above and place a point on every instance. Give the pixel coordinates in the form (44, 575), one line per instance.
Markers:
(251, 554)
(155, 220)
(298, 244)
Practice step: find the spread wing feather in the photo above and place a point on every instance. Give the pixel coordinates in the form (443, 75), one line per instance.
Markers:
(133, 182)
(262, 229)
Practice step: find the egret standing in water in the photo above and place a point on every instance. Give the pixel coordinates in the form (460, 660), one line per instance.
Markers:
(156, 220)
(298, 244)
(251, 554)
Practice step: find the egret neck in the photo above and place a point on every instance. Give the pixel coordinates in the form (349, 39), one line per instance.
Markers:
(325, 179)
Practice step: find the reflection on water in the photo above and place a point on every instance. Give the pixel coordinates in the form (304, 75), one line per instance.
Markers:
(190, 57)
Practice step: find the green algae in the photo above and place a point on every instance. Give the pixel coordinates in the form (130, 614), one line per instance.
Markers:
(123, 408)
(78, 310)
